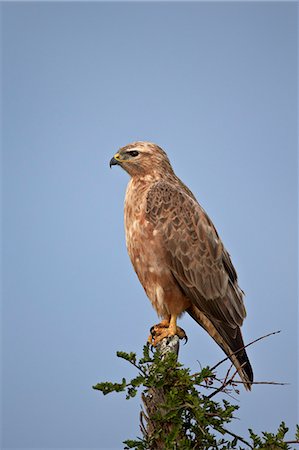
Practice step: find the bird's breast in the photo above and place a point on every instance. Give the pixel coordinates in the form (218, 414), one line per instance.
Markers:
(148, 256)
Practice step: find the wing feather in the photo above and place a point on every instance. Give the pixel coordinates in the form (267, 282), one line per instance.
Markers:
(195, 254)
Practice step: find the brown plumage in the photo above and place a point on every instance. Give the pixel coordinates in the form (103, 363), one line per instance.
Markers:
(177, 254)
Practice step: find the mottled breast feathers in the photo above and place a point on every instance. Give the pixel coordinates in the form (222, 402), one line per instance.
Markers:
(194, 252)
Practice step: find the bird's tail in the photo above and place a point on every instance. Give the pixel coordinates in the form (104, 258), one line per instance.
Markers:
(231, 342)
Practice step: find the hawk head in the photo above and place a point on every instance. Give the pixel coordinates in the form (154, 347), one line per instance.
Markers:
(142, 158)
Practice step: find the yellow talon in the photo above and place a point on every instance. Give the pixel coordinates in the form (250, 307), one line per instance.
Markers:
(166, 328)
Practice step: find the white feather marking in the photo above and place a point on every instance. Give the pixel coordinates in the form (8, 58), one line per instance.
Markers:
(160, 295)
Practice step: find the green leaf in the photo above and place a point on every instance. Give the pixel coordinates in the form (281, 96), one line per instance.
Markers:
(138, 445)
(131, 393)
(146, 355)
(138, 380)
(107, 387)
(131, 357)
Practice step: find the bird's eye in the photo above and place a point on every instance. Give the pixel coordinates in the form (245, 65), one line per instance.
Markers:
(133, 153)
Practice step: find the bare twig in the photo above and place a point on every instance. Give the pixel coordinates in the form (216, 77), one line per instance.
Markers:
(242, 348)
(227, 373)
(231, 382)
(263, 382)
(237, 437)
(224, 384)
(138, 367)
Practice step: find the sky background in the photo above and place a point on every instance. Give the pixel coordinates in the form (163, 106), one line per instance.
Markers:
(216, 86)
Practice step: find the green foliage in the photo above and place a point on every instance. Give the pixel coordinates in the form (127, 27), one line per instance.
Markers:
(270, 441)
(187, 418)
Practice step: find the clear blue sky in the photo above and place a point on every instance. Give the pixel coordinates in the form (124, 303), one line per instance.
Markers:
(214, 84)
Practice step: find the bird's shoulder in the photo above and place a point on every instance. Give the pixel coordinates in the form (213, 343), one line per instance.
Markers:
(169, 197)
(174, 203)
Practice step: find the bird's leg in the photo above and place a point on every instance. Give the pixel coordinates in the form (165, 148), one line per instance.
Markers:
(167, 328)
(164, 323)
(175, 330)
(172, 325)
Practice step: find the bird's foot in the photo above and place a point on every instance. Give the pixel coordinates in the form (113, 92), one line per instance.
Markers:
(164, 330)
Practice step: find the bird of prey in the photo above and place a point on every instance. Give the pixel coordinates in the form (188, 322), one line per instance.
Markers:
(178, 255)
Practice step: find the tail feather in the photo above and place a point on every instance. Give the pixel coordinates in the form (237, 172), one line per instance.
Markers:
(231, 342)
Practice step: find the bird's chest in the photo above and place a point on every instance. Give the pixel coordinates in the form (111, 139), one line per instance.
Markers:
(141, 237)
(148, 255)
(143, 242)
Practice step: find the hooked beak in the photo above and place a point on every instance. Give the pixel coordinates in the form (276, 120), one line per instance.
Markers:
(114, 161)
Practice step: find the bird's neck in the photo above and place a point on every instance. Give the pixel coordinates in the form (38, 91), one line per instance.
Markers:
(154, 175)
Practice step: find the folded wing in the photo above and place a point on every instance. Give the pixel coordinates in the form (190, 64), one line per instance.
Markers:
(201, 266)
